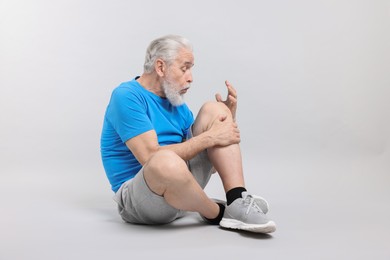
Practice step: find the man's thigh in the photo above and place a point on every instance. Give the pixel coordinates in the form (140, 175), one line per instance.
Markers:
(138, 204)
(200, 166)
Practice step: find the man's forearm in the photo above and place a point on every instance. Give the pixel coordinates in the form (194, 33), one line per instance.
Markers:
(191, 147)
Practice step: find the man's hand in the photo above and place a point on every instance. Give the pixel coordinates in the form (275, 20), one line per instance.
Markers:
(231, 99)
(224, 131)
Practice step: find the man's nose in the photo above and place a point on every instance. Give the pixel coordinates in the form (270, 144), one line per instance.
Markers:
(189, 77)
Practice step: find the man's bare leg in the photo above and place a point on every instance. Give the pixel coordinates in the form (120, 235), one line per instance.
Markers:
(167, 175)
(226, 160)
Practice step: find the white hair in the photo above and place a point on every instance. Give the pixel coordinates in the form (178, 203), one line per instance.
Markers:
(165, 48)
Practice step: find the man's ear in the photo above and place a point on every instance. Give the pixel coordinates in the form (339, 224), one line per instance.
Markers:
(160, 67)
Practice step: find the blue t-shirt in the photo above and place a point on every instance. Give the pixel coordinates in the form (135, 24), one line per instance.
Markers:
(133, 110)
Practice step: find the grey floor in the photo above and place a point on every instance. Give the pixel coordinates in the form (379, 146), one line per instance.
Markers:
(324, 209)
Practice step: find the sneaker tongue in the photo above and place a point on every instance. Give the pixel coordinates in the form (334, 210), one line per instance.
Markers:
(244, 194)
(260, 202)
(246, 197)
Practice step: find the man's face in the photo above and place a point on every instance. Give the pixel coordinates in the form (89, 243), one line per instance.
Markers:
(178, 78)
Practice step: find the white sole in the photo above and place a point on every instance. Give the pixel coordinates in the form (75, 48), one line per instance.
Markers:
(268, 227)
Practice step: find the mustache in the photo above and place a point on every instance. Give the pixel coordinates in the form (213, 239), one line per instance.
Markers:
(184, 90)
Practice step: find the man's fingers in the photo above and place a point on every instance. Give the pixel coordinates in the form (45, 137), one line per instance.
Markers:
(218, 97)
(232, 99)
(231, 90)
(231, 95)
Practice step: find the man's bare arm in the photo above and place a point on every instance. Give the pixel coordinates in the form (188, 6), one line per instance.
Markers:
(221, 133)
(145, 145)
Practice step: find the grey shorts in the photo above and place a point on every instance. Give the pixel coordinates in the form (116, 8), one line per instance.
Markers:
(138, 204)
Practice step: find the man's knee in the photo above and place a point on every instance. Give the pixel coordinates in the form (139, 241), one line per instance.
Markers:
(163, 170)
(208, 113)
(165, 162)
(214, 108)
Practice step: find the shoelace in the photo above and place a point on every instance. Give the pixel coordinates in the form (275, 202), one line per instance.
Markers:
(250, 199)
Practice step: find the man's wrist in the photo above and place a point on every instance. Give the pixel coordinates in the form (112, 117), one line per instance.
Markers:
(207, 140)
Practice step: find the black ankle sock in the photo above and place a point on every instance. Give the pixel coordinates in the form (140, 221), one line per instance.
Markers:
(234, 194)
(215, 221)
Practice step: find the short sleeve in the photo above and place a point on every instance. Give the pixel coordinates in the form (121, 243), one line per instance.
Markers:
(188, 119)
(127, 112)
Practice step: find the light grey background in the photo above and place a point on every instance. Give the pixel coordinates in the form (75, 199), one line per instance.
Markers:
(314, 86)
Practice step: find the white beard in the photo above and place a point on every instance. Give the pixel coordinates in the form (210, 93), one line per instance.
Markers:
(172, 94)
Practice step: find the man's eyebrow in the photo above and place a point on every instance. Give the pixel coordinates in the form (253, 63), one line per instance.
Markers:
(188, 63)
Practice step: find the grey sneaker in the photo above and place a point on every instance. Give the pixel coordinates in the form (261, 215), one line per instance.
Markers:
(260, 201)
(245, 214)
